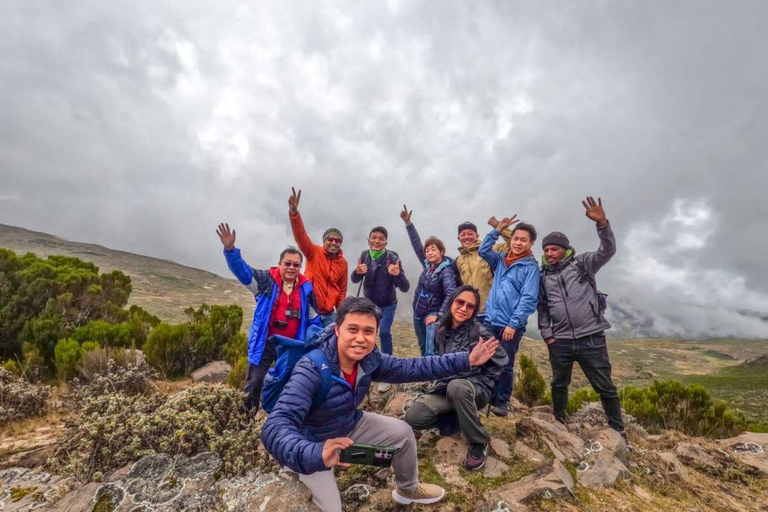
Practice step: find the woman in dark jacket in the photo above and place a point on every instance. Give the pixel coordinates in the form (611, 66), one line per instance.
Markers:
(436, 283)
(460, 396)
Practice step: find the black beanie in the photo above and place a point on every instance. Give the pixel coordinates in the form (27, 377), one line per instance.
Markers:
(467, 225)
(556, 238)
(380, 229)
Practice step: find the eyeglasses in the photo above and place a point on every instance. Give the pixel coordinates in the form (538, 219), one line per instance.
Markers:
(289, 264)
(461, 303)
(333, 240)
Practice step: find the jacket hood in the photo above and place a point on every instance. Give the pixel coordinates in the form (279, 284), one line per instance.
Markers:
(447, 260)
(275, 273)
(569, 254)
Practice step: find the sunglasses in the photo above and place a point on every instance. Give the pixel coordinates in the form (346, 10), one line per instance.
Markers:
(333, 240)
(289, 264)
(461, 303)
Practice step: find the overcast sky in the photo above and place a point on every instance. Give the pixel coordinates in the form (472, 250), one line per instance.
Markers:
(139, 125)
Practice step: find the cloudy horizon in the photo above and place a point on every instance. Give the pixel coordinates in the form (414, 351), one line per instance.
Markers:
(140, 126)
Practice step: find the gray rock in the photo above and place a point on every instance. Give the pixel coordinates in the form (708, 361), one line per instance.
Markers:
(557, 437)
(501, 448)
(214, 372)
(494, 468)
(551, 481)
(526, 452)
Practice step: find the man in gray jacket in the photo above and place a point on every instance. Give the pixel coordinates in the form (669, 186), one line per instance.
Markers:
(571, 316)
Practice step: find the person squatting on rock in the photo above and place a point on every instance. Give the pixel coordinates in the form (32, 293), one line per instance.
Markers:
(473, 269)
(306, 438)
(455, 400)
(285, 304)
(571, 315)
(514, 296)
(436, 283)
(382, 274)
(326, 267)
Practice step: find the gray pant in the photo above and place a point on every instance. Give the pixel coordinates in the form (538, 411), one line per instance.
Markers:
(377, 430)
(461, 397)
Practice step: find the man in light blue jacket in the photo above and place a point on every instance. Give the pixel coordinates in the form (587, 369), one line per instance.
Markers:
(514, 296)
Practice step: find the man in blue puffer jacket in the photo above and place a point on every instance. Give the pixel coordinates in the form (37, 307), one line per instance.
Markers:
(513, 298)
(306, 437)
(285, 305)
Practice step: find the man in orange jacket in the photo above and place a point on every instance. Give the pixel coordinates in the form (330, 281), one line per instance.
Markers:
(326, 266)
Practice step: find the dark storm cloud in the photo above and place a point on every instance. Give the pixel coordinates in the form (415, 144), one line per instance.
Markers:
(141, 125)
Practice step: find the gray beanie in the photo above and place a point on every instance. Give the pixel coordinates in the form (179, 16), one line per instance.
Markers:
(556, 238)
(332, 231)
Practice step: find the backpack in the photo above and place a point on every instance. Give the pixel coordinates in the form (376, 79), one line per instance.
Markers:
(289, 351)
(586, 277)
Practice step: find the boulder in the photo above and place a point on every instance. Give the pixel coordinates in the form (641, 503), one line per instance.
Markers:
(501, 448)
(265, 491)
(528, 453)
(750, 449)
(697, 456)
(214, 372)
(670, 466)
(551, 481)
(603, 474)
(450, 450)
(494, 468)
(555, 435)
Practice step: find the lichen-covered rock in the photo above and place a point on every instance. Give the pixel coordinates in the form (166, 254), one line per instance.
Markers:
(265, 491)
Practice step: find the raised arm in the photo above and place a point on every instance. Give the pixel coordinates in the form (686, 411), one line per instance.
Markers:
(487, 249)
(400, 280)
(281, 433)
(297, 226)
(594, 261)
(413, 235)
(249, 277)
(360, 270)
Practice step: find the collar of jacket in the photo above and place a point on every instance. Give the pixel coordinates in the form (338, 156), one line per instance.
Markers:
(472, 248)
(446, 261)
(275, 273)
(528, 260)
(560, 265)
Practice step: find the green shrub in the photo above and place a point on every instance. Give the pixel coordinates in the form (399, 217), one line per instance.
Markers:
(107, 334)
(11, 367)
(67, 353)
(236, 377)
(235, 348)
(115, 429)
(530, 386)
(690, 409)
(171, 349)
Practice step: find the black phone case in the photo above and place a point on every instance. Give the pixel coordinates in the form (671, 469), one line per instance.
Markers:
(368, 455)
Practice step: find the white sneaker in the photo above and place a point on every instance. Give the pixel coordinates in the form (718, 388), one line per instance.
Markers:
(384, 387)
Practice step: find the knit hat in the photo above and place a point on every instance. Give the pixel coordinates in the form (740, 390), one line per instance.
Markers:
(332, 231)
(467, 225)
(556, 238)
(380, 229)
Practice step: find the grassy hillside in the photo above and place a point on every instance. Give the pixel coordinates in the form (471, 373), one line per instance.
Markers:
(162, 287)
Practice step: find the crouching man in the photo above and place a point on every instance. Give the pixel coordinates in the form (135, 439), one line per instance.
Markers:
(306, 437)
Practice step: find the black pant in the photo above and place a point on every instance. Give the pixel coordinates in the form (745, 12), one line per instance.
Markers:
(591, 352)
(254, 378)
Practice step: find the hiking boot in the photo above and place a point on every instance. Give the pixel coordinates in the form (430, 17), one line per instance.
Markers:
(424, 494)
(560, 420)
(384, 387)
(500, 410)
(476, 456)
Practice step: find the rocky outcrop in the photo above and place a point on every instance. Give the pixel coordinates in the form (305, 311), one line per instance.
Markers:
(214, 372)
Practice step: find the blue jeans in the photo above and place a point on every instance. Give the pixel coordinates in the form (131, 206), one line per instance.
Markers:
(328, 319)
(425, 334)
(385, 327)
(507, 379)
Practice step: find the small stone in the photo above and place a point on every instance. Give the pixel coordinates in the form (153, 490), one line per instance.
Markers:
(501, 448)
(214, 372)
(494, 468)
(526, 452)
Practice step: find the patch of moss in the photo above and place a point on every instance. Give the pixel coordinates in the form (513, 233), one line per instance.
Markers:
(104, 503)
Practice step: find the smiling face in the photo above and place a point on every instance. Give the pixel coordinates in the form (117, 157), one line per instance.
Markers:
(554, 253)
(356, 337)
(332, 244)
(377, 241)
(289, 267)
(433, 254)
(468, 237)
(521, 242)
(463, 307)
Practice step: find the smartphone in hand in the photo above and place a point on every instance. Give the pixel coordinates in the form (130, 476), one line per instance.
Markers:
(368, 455)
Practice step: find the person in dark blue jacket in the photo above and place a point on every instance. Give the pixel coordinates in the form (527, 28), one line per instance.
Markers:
(285, 305)
(436, 284)
(306, 438)
(382, 275)
(513, 298)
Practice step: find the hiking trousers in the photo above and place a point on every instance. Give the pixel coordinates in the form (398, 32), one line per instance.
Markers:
(254, 377)
(591, 352)
(461, 398)
(376, 430)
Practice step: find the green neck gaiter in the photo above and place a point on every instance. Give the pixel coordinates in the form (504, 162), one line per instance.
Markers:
(376, 254)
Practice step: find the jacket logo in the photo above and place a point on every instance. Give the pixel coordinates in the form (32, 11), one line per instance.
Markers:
(324, 367)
